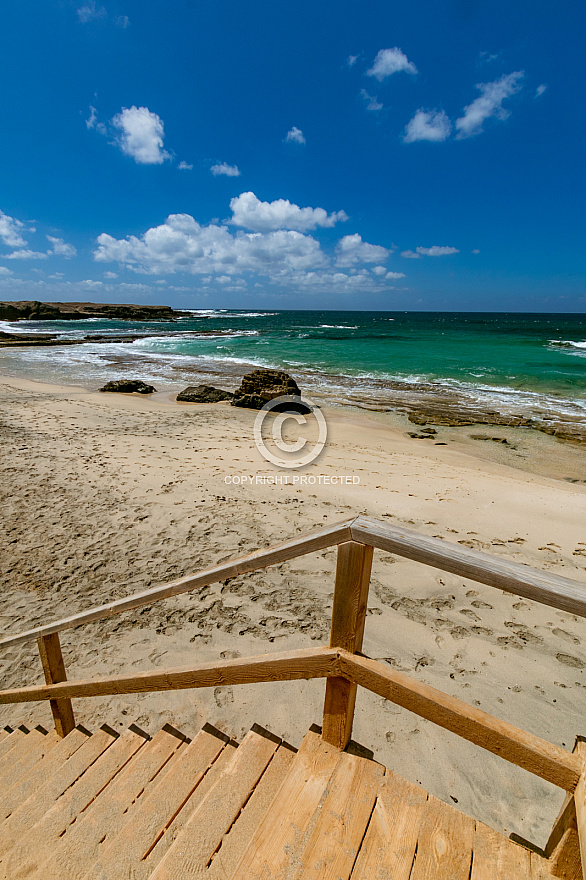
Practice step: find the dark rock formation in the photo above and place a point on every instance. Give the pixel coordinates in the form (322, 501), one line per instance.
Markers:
(38, 339)
(203, 394)
(37, 311)
(127, 386)
(260, 386)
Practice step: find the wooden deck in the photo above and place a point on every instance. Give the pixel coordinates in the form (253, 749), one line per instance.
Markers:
(108, 806)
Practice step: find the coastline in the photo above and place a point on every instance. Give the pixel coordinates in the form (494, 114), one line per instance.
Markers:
(106, 494)
(439, 370)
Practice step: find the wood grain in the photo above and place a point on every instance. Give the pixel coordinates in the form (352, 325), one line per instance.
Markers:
(444, 846)
(124, 855)
(54, 669)
(336, 836)
(273, 850)
(388, 848)
(521, 580)
(347, 631)
(285, 666)
(495, 856)
(234, 844)
(544, 759)
(33, 849)
(300, 546)
(202, 835)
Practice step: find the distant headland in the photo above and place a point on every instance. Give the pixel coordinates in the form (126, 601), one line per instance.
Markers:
(30, 310)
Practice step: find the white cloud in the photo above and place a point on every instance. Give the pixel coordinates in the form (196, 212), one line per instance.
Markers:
(351, 60)
(489, 104)
(333, 282)
(379, 270)
(436, 251)
(92, 118)
(410, 255)
(181, 244)
(475, 251)
(224, 168)
(351, 249)
(89, 11)
(4, 271)
(10, 231)
(295, 136)
(394, 276)
(92, 285)
(123, 21)
(389, 61)
(428, 125)
(185, 166)
(249, 211)
(112, 275)
(61, 248)
(540, 90)
(92, 121)
(25, 254)
(372, 103)
(141, 135)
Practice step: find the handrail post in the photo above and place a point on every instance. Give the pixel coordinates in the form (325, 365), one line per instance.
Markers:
(54, 669)
(580, 803)
(348, 617)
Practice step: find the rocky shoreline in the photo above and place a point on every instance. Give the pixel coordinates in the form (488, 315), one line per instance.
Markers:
(32, 310)
(424, 403)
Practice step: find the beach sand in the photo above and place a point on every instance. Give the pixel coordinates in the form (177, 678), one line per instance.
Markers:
(105, 495)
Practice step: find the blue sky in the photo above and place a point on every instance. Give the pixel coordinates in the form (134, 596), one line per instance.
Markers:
(423, 155)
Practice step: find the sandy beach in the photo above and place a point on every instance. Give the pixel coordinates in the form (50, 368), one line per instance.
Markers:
(104, 495)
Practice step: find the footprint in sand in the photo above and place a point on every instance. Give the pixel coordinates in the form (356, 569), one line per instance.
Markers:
(569, 660)
(223, 696)
(562, 634)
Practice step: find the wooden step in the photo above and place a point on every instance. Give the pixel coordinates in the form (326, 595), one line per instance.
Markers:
(202, 835)
(335, 833)
(109, 807)
(80, 845)
(41, 773)
(25, 746)
(388, 847)
(274, 848)
(32, 851)
(5, 732)
(30, 811)
(21, 761)
(238, 838)
(175, 828)
(494, 855)
(127, 853)
(12, 740)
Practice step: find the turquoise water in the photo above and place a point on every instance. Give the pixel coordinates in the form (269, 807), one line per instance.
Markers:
(512, 360)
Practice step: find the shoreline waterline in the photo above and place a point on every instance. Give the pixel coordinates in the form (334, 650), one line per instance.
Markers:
(463, 368)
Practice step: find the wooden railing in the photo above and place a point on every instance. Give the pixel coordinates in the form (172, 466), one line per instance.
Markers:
(342, 664)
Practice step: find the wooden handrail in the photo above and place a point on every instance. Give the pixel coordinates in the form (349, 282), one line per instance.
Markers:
(548, 761)
(285, 666)
(521, 580)
(339, 663)
(320, 539)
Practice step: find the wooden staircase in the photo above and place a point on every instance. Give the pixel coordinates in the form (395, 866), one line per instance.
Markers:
(114, 807)
(79, 806)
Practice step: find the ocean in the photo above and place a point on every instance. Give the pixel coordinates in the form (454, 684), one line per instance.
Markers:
(527, 364)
